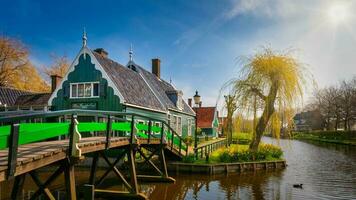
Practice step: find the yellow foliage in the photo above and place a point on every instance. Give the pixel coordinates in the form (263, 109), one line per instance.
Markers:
(278, 81)
(59, 67)
(28, 78)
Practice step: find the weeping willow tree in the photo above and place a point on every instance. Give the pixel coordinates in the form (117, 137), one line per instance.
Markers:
(277, 80)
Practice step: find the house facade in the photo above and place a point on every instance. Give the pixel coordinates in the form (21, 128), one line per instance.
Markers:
(96, 82)
(207, 120)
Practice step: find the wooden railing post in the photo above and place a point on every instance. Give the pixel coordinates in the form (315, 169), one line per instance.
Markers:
(180, 146)
(149, 130)
(108, 131)
(162, 134)
(74, 138)
(172, 142)
(133, 130)
(13, 146)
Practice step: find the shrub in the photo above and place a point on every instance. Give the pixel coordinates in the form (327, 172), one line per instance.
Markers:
(189, 158)
(241, 153)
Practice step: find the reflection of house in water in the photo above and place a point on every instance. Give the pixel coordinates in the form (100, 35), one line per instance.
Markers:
(308, 121)
(235, 186)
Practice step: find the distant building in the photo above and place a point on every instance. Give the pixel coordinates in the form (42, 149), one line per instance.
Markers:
(18, 100)
(207, 118)
(308, 121)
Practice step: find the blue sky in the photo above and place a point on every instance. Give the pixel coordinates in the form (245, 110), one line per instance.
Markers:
(197, 41)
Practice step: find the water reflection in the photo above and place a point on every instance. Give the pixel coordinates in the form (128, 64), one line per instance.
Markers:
(328, 171)
(232, 186)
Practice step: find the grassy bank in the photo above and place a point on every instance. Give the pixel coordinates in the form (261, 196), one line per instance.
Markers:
(337, 137)
(241, 138)
(240, 153)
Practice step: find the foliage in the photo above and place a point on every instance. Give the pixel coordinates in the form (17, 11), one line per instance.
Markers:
(277, 80)
(59, 66)
(29, 79)
(241, 153)
(230, 103)
(336, 104)
(335, 135)
(188, 140)
(199, 131)
(15, 69)
(189, 158)
(242, 138)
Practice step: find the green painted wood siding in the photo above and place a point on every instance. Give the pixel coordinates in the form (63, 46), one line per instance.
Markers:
(85, 71)
(185, 119)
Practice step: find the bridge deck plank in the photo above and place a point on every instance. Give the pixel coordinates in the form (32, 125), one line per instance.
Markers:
(36, 155)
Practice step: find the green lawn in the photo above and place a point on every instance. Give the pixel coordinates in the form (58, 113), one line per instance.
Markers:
(337, 137)
(240, 153)
(242, 138)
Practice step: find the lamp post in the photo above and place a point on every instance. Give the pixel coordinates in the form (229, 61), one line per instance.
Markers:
(196, 98)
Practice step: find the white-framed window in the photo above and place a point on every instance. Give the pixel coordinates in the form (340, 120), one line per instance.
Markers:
(179, 125)
(190, 123)
(84, 90)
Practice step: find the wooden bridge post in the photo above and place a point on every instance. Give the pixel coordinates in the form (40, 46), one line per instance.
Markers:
(108, 131)
(18, 185)
(74, 138)
(12, 154)
(131, 158)
(69, 176)
(149, 131)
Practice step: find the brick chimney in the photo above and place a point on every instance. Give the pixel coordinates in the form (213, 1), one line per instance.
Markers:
(102, 52)
(55, 81)
(156, 67)
(190, 102)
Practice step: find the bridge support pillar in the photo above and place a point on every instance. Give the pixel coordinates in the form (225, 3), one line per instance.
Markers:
(69, 176)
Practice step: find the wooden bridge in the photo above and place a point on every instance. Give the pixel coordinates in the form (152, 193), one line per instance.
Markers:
(62, 138)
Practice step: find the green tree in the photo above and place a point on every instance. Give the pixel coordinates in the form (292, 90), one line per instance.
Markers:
(275, 78)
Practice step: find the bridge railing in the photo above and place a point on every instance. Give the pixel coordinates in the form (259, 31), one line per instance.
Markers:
(22, 129)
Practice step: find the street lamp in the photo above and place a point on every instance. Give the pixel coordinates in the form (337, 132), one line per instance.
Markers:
(196, 98)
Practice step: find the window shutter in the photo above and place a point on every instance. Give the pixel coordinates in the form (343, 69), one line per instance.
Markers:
(102, 89)
(66, 91)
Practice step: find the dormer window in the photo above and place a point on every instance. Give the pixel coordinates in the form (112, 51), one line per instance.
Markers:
(84, 90)
(176, 96)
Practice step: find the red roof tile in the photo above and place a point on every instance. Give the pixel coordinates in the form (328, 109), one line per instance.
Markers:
(205, 116)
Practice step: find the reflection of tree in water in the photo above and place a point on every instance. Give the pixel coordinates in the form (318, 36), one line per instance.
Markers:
(232, 186)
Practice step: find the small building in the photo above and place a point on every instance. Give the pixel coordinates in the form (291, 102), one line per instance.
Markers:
(17, 101)
(207, 118)
(308, 121)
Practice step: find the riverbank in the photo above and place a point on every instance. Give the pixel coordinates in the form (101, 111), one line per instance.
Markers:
(336, 137)
(224, 168)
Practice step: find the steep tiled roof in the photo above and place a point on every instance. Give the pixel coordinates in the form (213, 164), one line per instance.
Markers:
(8, 96)
(130, 84)
(140, 87)
(33, 99)
(160, 87)
(205, 116)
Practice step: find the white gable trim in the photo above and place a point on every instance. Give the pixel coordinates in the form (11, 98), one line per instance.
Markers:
(86, 51)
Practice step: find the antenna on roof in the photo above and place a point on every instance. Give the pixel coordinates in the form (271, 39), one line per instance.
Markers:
(84, 38)
(131, 53)
(170, 80)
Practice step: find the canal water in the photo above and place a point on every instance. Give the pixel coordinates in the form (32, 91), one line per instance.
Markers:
(327, 171)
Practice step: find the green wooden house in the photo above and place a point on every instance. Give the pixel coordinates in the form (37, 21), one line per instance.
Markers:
(96, 82)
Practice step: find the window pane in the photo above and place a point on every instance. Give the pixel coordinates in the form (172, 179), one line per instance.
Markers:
(88, 90)
(96, 89)
(80, 90)
(74, 90)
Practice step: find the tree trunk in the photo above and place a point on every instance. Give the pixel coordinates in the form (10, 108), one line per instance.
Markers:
(254, 118)
(267, 113)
